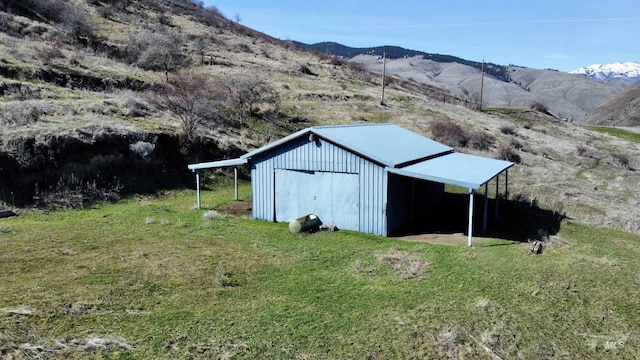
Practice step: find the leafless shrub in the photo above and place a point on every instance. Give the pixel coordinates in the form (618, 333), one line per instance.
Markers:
(586, 151)
(509, 154)
(71, 192)
(508, 130)
(620, 160)
(49, 52)
(481, 140)
(210, 16)
(581, 149)
(515, 143)
(72, 20)
(244, 95)
(539, 106)
(165, 19)
(135, 107)
(449, 133)
(20, 114)
(160, 51)
(405, 264)
(189, 96)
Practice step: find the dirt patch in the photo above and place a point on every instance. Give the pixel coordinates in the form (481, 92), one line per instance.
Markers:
(239, 208)
(443, 239)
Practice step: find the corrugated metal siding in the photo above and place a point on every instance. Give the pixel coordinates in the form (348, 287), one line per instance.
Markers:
(320, 155)
(373, 198)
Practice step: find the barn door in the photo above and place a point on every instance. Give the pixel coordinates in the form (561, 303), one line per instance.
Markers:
(334, 197)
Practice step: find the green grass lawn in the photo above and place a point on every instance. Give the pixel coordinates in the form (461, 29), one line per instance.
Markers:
(151, 278)
(621, 133)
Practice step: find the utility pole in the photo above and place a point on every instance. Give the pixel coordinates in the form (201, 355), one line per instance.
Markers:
(384, 69)
(481, 84)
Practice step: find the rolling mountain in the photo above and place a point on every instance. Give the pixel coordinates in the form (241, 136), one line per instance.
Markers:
(396, 52)
(628, 72)
(564, 95)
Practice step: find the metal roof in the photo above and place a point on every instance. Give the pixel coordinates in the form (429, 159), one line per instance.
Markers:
(403, 152)
(217, 164)
(456, 169)
(386, 144)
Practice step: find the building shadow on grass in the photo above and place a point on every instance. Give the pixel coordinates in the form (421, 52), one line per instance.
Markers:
(518, 219)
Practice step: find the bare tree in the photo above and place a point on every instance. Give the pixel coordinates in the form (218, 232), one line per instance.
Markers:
(158, 51)
(245, 94)
(201, 46)
(189, 96)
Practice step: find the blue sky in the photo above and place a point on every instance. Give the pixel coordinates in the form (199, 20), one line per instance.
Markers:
(561, 34)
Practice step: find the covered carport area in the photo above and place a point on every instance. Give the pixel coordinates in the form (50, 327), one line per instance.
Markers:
(200, 167)
(464, 170)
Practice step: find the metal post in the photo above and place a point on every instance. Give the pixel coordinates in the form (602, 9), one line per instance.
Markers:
(486, 206)
(235, 177)
(198, 188)
(470, 230)
(495, 214)
(506, 184)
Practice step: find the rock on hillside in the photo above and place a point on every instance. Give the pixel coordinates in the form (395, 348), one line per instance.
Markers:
(564, 95)
(622, 110)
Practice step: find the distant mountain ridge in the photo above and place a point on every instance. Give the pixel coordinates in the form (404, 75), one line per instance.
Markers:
(628, 72)
(395, 52)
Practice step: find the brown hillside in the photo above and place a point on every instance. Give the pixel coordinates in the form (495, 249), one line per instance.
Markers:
(622, 110)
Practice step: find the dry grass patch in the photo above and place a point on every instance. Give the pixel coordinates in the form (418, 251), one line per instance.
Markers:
(405, 264)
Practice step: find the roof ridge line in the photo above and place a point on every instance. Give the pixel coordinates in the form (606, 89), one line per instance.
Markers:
(348, 125)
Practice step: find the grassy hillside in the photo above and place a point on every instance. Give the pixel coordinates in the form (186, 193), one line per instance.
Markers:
(150, 277)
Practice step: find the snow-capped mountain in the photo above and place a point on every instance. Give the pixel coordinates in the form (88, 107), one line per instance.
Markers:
(628, 72)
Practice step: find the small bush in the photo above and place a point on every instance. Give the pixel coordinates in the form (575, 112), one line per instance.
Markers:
(481, 140)
(20, 114)
(587, 151)
(509, 154)
(539, 106)
(515, 143)
(620, 160)
(71, 192)
(449, 133)
(508, 130)
(49, 52)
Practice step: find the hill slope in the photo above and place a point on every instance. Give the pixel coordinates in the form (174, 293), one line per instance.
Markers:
(81, 116)
(622, 110)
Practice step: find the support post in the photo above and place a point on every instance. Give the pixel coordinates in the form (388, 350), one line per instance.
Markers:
(481, 84)
(506, 184)
(235, 177)
(486, 206)
(198, 188)
(384, 71)
(496, 212)
(470, 230)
